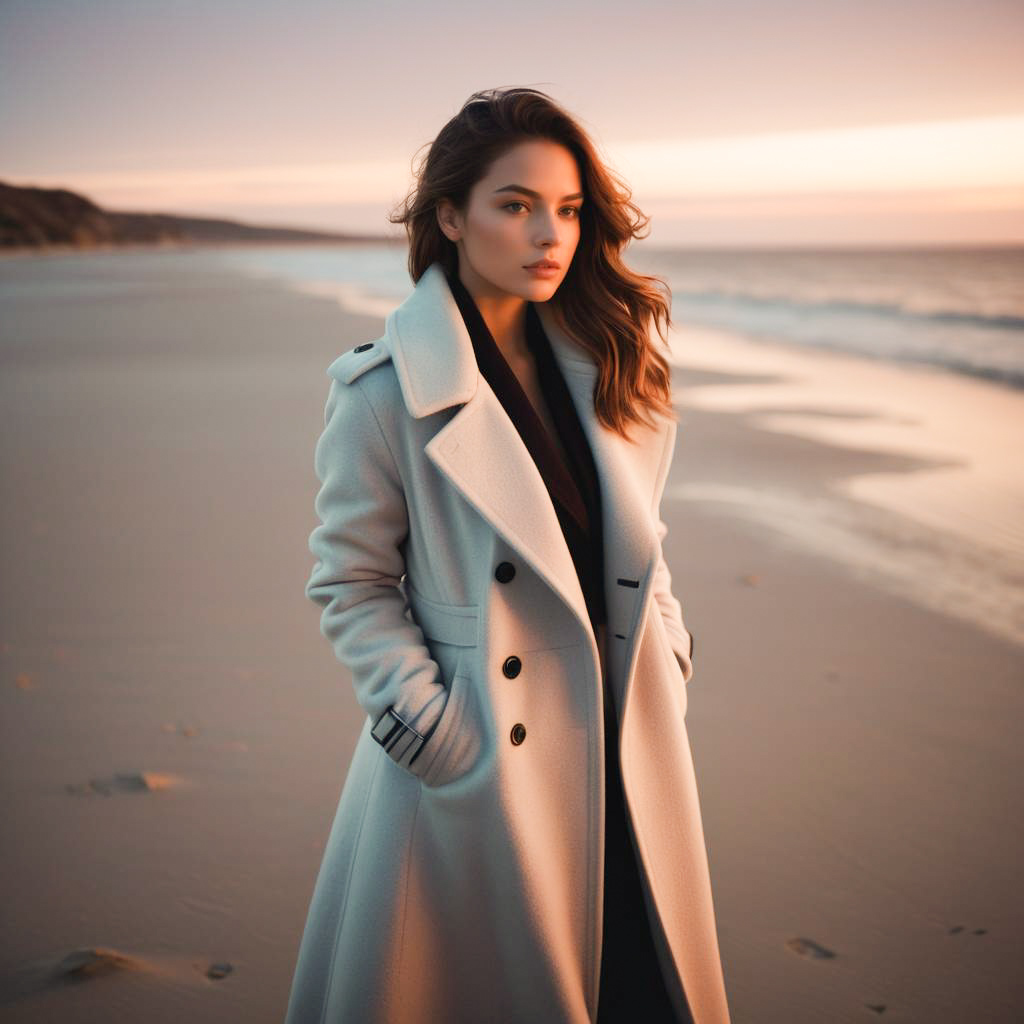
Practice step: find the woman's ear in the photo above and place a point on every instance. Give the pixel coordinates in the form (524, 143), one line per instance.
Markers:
(448, 220)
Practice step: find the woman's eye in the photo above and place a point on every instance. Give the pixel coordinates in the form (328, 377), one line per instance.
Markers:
(573, 210)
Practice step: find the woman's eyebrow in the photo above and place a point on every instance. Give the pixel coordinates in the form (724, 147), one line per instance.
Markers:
(532, 194)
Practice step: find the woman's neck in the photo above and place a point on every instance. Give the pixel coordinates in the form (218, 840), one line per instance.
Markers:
(504, 314)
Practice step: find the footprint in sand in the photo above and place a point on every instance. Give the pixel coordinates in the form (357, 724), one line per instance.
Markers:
(89, 963)
(126, 782)
(96, 961)
(808, 947)
(32, 979)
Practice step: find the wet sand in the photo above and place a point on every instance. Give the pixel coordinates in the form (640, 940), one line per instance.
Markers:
(175, 730)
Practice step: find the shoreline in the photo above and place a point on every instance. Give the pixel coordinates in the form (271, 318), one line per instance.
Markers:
(926, 496)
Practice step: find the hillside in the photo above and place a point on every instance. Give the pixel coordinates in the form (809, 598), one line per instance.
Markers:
(40, 218)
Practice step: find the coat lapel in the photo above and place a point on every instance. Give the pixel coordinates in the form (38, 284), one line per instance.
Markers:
(436, 367)
(631, 485)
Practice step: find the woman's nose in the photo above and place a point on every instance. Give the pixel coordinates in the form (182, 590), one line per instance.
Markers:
(547, 232)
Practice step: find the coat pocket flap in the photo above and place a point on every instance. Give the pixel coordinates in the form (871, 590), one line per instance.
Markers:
(450, 623)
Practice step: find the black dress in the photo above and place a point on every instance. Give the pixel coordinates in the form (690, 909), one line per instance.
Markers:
(632, 986)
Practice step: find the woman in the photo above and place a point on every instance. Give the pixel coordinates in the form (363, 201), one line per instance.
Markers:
(490, 571)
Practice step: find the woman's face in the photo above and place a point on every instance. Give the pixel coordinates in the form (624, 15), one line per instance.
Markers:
(526, 209)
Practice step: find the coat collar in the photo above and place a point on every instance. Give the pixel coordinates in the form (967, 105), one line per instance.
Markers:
(433, 352)
(435, 362)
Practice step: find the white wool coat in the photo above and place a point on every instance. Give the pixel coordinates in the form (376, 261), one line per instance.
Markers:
(462, 880)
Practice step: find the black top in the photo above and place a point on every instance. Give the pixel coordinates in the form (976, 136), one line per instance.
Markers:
(574, 488)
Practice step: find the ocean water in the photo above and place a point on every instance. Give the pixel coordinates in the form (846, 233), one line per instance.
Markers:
(962, 309)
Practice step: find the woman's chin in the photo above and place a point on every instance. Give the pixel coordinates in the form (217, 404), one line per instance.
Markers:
(540, 289)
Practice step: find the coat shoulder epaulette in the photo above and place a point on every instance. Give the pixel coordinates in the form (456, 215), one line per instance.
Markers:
(356, 361)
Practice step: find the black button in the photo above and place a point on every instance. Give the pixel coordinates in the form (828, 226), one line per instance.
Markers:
(504, 572)
(512, 667)
(363, 348)
(518, 733)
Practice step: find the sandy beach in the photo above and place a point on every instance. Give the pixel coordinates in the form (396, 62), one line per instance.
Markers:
(844, 536)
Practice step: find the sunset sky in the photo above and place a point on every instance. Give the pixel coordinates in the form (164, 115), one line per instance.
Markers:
(736, 122)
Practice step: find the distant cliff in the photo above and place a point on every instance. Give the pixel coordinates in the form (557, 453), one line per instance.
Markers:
(38, 218)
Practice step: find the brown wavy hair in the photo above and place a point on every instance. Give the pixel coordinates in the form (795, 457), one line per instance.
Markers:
(608, 309)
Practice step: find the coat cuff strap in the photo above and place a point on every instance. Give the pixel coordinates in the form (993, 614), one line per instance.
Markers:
(399, 738)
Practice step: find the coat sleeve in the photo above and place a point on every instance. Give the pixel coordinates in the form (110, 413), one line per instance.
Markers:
(671, 611)
(360, 563)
